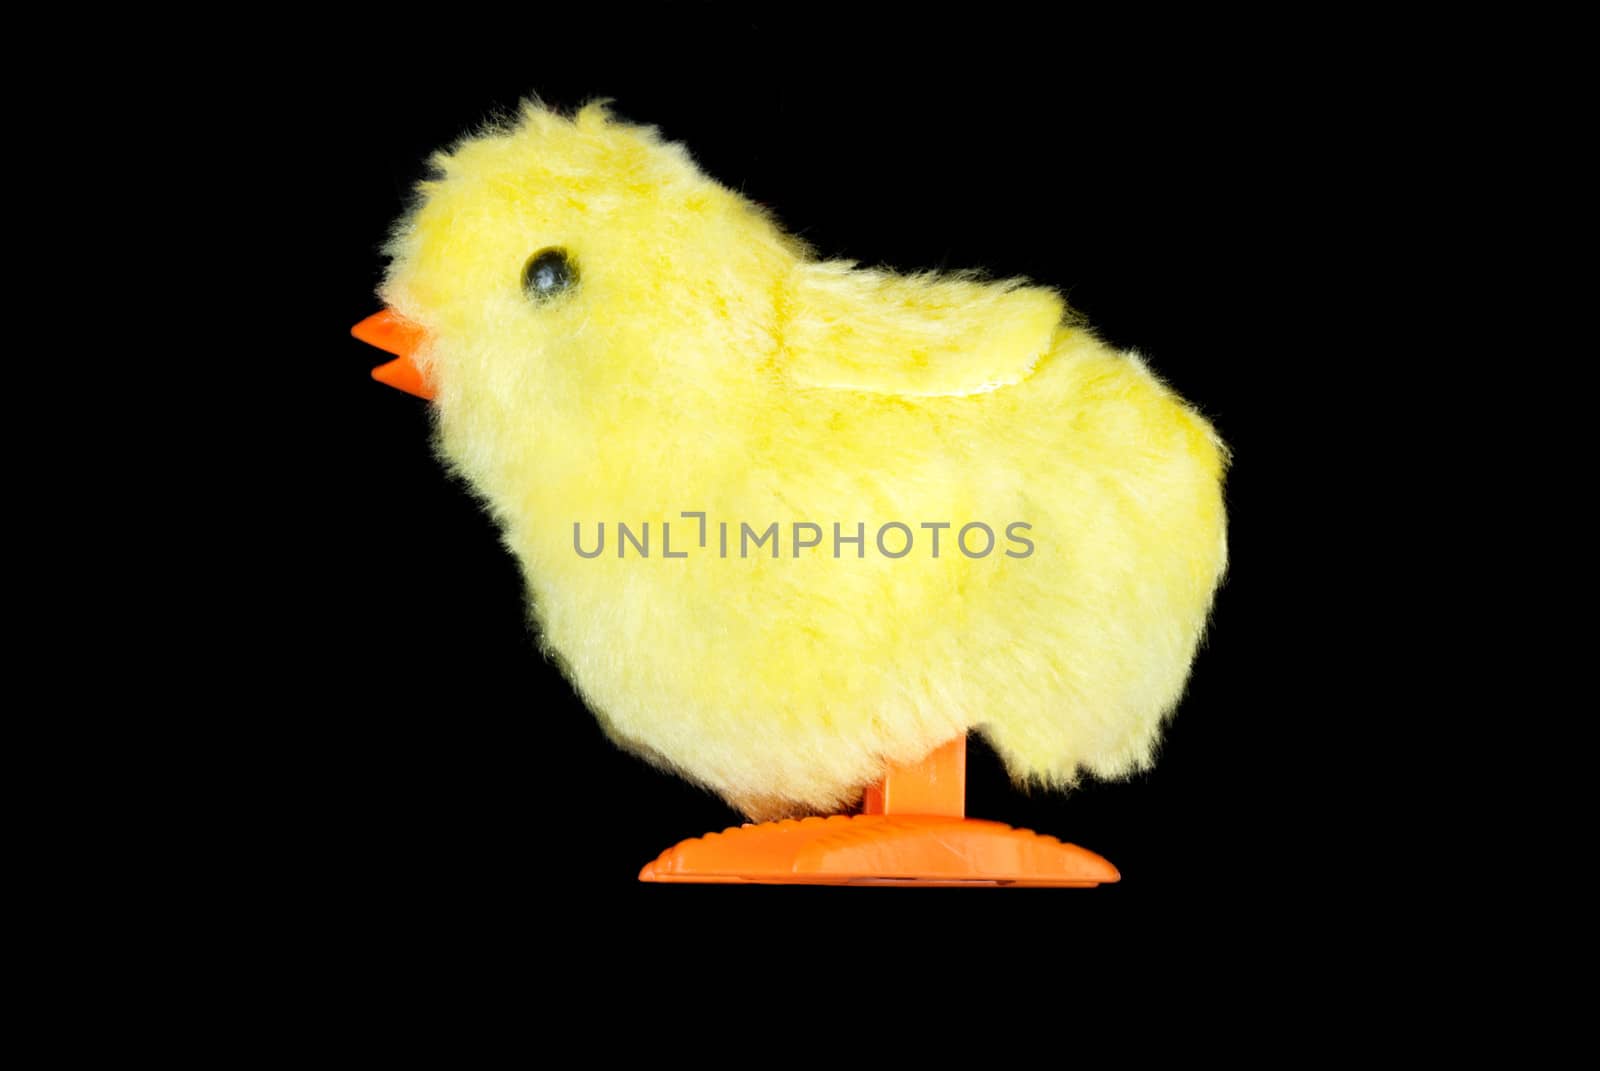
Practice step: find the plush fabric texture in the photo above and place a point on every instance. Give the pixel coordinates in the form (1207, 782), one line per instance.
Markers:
(706, 362)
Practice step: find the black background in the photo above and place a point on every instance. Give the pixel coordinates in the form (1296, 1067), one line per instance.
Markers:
(439, 780)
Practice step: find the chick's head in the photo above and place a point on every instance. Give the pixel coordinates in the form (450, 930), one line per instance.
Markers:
(559, 264)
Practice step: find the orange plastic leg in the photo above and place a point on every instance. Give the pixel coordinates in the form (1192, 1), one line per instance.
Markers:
(936, 786)
(911, 832)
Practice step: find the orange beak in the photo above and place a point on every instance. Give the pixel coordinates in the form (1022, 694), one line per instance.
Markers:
(393, 333)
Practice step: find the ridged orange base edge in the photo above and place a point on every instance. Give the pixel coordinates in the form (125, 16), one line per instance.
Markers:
(880, 849)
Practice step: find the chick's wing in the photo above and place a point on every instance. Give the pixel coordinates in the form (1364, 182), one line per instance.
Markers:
(847, 328)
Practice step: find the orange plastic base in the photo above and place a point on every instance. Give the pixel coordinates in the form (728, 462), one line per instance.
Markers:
(880, 849)
(912, 833)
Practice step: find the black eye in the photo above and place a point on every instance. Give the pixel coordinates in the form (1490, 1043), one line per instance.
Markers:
(548, 273)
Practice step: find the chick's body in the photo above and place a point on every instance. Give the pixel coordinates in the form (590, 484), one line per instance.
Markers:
(702, 362)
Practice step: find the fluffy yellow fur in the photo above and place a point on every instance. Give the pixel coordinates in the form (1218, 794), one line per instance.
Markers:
(704, 362)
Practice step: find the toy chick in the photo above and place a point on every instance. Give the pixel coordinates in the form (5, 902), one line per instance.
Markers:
(791, 525)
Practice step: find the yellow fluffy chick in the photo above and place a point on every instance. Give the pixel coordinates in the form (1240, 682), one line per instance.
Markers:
(614, 339)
